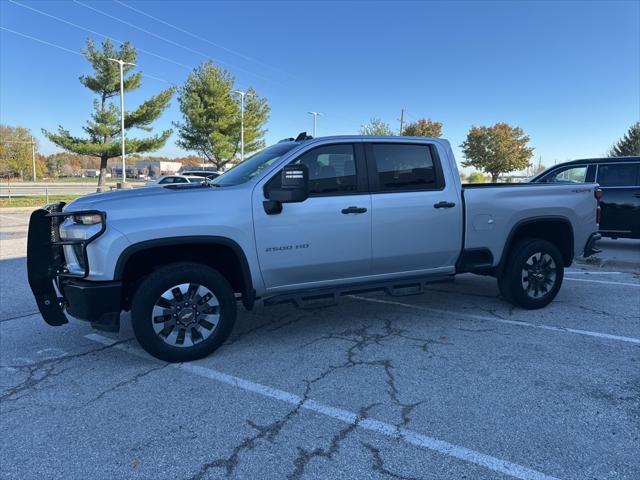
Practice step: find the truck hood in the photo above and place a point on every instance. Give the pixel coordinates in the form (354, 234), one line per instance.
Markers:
(161, 197)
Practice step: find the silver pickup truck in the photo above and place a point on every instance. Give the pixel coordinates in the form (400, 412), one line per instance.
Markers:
(303, 221)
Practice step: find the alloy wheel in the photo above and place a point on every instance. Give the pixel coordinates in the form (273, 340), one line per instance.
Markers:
(185, 315)
(538, 275)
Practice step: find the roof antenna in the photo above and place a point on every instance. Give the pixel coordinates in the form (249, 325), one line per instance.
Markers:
(303, 136)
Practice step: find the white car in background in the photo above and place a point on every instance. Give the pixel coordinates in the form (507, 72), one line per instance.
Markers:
(174, 179)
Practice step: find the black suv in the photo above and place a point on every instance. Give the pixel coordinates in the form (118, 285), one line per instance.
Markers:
(619, 179)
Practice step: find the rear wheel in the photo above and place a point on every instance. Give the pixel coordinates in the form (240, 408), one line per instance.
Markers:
(183, 311)
(533, 274)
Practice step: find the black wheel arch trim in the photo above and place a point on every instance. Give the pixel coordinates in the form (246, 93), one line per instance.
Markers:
(529, 221)
(248, 295)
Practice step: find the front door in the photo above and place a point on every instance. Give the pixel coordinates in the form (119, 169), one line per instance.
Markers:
(417, 213)
(326, 239)
(620, 200)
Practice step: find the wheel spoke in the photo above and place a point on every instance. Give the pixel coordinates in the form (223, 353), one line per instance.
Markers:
(196, 336)
(207, 296)
(191, 291)
(177, 294)
(210, 310)
(166, 331)
(162, 318)
(206, 324)
(180, 337)
(164, 303)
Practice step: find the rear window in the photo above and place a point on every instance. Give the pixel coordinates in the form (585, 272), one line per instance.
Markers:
(568, 175)
(618, 175)
(404, 167)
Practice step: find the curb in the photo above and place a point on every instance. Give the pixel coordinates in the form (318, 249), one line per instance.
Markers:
(615, 265)
(18, 209)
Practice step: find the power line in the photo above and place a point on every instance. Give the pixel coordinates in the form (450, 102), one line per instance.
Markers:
(160, 37)
(39, 40)
(98, 34)
(198, 37)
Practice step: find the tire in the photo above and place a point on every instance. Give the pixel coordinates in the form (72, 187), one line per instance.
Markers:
(183, 311)
(533, 274)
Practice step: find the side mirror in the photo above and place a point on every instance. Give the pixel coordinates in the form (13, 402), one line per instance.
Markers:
(294, 185)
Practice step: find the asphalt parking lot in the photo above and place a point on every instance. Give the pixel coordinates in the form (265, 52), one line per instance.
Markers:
(454, 383)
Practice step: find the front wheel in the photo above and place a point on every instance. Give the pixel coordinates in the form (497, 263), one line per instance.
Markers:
(183, 311)
(533, 274)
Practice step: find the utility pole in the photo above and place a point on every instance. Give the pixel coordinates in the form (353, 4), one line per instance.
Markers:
(315, 117)
(33, 151)
(122, 64)
(401, 120)
(33, 157)
(242, 95)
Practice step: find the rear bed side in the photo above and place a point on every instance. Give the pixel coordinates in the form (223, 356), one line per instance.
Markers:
(496, 215)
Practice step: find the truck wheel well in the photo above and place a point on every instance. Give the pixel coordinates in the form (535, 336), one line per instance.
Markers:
(556, 231)
(223, 258)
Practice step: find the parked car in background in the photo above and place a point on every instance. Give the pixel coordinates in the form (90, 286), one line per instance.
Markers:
(210, 174)
(174, 179)
(619, 179)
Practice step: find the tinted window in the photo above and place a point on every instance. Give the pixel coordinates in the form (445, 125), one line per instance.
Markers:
(572, 175)
(404, 167)
(618, 175)
(332, 169)
(166, 180)
(254, 165)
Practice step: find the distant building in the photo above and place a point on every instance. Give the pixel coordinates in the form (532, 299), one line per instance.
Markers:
(152, 168)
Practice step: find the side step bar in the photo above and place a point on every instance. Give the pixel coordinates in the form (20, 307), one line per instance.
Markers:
(326, 297)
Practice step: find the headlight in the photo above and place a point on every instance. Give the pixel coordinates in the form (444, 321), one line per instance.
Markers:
(87, 219)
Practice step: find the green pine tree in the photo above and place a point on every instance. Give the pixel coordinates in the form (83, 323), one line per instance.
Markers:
(103, 129)
(629, 144)
(211, 113)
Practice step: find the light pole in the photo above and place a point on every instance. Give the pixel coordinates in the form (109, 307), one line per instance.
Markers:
(242, 95)
(315, 117)
(33, 151)
(122, 64)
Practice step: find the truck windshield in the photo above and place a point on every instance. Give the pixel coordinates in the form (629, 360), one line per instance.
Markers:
(254, 165)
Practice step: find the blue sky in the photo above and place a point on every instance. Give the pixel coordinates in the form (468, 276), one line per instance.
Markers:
(568, 73)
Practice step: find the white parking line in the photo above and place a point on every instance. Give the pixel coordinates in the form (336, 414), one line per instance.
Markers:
(606, 282)
(409, 436)
(589, 272)
(483, 318)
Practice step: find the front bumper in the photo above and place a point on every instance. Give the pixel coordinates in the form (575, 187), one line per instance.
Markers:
(56, 290)
(590, 247)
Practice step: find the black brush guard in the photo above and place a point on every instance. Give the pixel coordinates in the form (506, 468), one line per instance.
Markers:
(46, 262)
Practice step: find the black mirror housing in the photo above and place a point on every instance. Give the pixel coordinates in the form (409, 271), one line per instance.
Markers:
(294, 185)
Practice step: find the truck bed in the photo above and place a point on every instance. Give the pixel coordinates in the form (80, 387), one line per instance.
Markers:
(493, 210)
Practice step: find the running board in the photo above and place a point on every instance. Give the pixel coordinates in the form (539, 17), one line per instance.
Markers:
(327, 297)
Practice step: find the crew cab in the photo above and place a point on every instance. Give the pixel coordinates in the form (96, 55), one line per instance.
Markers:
(302, 221)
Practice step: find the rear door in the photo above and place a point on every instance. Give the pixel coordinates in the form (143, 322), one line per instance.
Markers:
(620, 203)
(326, 239)
(417, 215)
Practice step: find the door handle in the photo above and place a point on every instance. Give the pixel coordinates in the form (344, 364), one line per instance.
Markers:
(637, 195)
(349, 210)
(444, 205)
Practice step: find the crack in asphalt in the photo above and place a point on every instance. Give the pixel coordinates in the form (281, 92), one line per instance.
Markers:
(378, 464)
(126, 382)
(305, 456)
(268, 432)
(360, 338)
(43, 370)
(264, 326)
